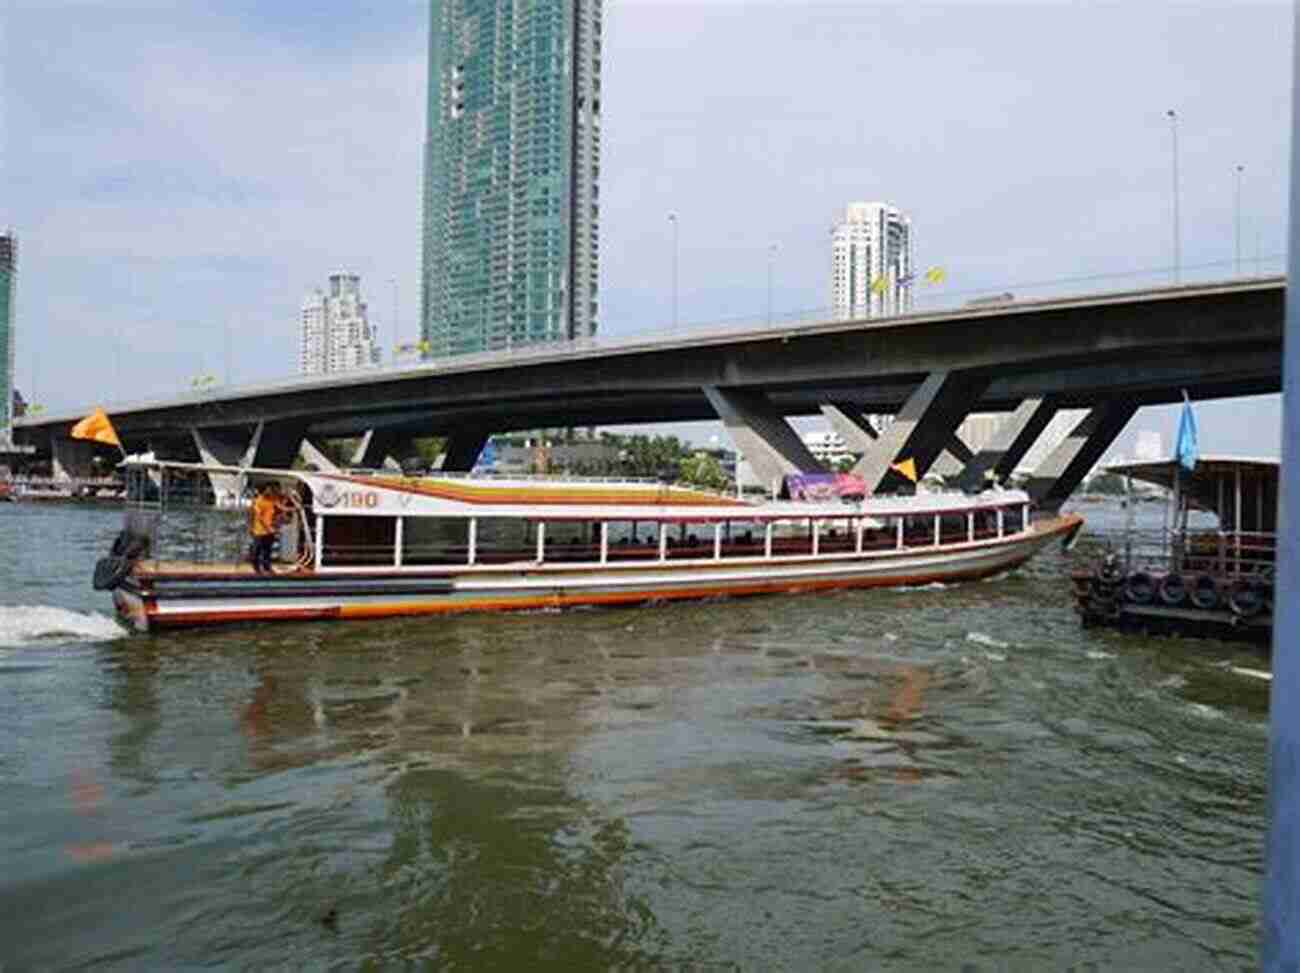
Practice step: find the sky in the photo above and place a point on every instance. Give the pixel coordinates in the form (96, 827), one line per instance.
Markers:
(182, 174)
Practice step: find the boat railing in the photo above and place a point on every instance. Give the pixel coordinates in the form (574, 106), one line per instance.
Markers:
(1221, 554)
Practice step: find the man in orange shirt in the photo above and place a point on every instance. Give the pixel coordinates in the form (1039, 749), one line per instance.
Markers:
(265, 523)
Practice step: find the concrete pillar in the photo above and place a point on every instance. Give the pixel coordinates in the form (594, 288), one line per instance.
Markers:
(71, 458)
(277, 444)
(954, 457)
(1280, 949)
(761, 434)
(378, 448)
(922, 429)
(462, 450)
(224, 448)
(312, 456)
(1065, 467)
(848, 422)
(1013, 439)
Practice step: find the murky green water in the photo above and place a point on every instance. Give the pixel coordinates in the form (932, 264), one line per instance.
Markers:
(954, 778)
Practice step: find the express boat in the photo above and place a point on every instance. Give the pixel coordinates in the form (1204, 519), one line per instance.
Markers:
(373, 545)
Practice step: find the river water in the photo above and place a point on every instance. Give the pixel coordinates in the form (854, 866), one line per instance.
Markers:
(952, 778)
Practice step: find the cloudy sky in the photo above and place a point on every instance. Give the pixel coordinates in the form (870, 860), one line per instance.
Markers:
(182, 174)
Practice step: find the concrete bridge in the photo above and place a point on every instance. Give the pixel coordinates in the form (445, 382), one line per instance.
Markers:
(1107, 353)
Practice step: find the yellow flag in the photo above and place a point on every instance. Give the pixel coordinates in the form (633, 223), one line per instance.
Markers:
(936, 275)
(906, 467)
(96, 427)
(879, 285)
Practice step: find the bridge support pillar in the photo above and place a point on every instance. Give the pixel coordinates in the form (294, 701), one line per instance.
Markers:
(72, 459)
(1014, 437)
(377, 448)
(462, 450)
(762, 435)
(848, 422)
(1066, 466)
(922, 429)
(224, 448)
(313, 456)
(276, 445)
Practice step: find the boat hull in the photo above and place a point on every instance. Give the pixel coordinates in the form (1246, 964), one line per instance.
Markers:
(151, 600)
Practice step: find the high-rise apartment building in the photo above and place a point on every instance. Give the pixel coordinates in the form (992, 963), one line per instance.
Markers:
(871, 262)
(511, 166)
(336, 332)
(8, 287)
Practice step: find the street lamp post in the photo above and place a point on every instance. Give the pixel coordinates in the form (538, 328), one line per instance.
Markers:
(1237, 220)
(1178, 257)
(672, 218)
(393, 281)
(772, 248)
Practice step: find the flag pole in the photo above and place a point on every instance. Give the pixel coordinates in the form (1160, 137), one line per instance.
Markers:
(1280, 942)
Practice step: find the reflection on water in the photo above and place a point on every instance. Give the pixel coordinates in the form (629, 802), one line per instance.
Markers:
(865, 780)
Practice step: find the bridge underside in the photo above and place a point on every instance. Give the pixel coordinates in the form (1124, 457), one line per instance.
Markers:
(1113, 353)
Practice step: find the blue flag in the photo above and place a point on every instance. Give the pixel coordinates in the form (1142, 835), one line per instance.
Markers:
(1188, 448)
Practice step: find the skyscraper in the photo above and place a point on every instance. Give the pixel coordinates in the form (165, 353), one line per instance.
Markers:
(871, 262)
(336, 331)
(511, 163)
(8, 285)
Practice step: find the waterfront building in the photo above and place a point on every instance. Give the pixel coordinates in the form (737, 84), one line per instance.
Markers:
(8, 288)
(336, 331)
(871, 262)
(511, 166)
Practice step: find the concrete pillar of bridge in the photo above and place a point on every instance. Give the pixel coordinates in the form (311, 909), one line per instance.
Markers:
(275, 445)
(463, 449)
(1014, 437)
(312, 455)
(851, 425)
(761, 433)
(225, 447)
(1064, 468)
(72, 459)
(923, 428)
(380, 448)
(846, 419)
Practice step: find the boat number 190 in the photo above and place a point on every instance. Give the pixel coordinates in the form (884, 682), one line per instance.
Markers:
(360, 499)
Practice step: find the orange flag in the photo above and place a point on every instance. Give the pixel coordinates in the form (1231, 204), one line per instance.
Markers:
(97, 427)
(906, 468)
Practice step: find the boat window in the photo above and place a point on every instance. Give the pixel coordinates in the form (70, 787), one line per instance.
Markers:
(572, 540)
(882, 537)
(502, 539)
(633, 541)
(952, 528)
(918, 530)
(791, 538)
(358, 541)
(435, 540)
(837, 535)
(743, 538)
(1013, 520)
(986, 524)
(689, 540)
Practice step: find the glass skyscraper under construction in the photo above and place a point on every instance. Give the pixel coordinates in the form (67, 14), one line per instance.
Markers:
(511, 164)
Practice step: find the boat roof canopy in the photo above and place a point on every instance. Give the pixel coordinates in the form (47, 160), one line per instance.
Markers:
(1241, 491)
(1208, 468)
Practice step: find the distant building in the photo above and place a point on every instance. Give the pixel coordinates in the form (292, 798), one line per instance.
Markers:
(511, 165)
(8, 327)
(871, 262)
(336, 332)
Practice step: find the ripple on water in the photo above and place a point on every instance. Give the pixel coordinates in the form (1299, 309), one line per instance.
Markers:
(22, 625)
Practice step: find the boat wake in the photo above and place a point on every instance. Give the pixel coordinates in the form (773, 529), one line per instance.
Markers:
(34, 624)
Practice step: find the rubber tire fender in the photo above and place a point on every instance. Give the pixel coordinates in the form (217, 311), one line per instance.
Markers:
(1139, 588)
(1246, 598)
(110, 572)
(1204, 592)
(1173, 589)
